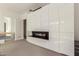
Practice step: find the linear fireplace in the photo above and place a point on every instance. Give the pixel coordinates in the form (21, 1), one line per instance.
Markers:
(41, 34)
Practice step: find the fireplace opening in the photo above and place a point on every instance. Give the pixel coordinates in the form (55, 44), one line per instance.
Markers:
(41, 34)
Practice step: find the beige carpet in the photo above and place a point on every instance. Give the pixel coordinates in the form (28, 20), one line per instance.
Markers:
(24, 48)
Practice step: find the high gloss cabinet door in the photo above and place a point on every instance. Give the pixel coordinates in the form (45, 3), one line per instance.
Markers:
(66, 16)
(54, 27)
(67, 43)
(61, 27)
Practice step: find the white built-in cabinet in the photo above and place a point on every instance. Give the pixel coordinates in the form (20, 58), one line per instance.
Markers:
(66, 14)
(54, 27)
(58, 19)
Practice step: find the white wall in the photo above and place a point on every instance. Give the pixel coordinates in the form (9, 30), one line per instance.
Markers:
(13, 25)
(76, 21)
(58, 19)
(19, 26)
(1, 25)
(8, 22)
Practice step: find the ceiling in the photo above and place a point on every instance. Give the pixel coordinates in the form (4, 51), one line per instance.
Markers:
(8, 9)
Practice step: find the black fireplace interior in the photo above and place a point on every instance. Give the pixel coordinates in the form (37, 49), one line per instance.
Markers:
(41, 34)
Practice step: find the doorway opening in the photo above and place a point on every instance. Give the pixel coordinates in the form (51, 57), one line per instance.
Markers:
(4, 26)
(24, 28)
